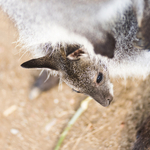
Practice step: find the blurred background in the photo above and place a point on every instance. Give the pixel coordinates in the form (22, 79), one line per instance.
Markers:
(37, 124)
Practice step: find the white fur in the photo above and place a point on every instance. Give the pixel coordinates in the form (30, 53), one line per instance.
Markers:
(54, 21)
(133, 67)
(111, 10)
(41, 22)
(111, 89)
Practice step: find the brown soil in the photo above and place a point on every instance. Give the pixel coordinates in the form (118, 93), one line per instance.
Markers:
(37, 124)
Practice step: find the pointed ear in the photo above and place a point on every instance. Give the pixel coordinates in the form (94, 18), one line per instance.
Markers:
(77, 54)
(43, 62)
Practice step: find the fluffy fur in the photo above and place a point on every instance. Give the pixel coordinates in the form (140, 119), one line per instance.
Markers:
(128, 61)
(53, 21)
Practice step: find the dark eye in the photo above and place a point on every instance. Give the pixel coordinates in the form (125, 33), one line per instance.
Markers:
(76, 91)
(99, 77)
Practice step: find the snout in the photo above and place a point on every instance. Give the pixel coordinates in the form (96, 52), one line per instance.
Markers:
(103, 100)
(109, 100)
(106, 101)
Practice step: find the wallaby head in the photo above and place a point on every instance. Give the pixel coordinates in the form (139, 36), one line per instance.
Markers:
(78, 71)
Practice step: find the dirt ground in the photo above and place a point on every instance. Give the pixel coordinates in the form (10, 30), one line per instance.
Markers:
(37, 124)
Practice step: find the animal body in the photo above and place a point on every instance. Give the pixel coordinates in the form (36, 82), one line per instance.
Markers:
(108, 27)
(128, 61)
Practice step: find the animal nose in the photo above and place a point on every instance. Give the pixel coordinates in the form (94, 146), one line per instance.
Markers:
(109, 98)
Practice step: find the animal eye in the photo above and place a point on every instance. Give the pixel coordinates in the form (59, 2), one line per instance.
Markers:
(99, 77)
(76, 91)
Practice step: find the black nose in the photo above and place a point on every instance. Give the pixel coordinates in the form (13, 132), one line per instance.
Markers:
(109, 98)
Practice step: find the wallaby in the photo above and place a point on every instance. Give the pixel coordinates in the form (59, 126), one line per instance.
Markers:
(128, 61)
(110, 27)
(76, 69)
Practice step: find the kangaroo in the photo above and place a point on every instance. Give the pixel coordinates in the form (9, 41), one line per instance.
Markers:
(76, 69)
(110, 28)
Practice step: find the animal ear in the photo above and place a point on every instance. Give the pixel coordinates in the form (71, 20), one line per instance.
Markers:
(43, 62)
(77, 54)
